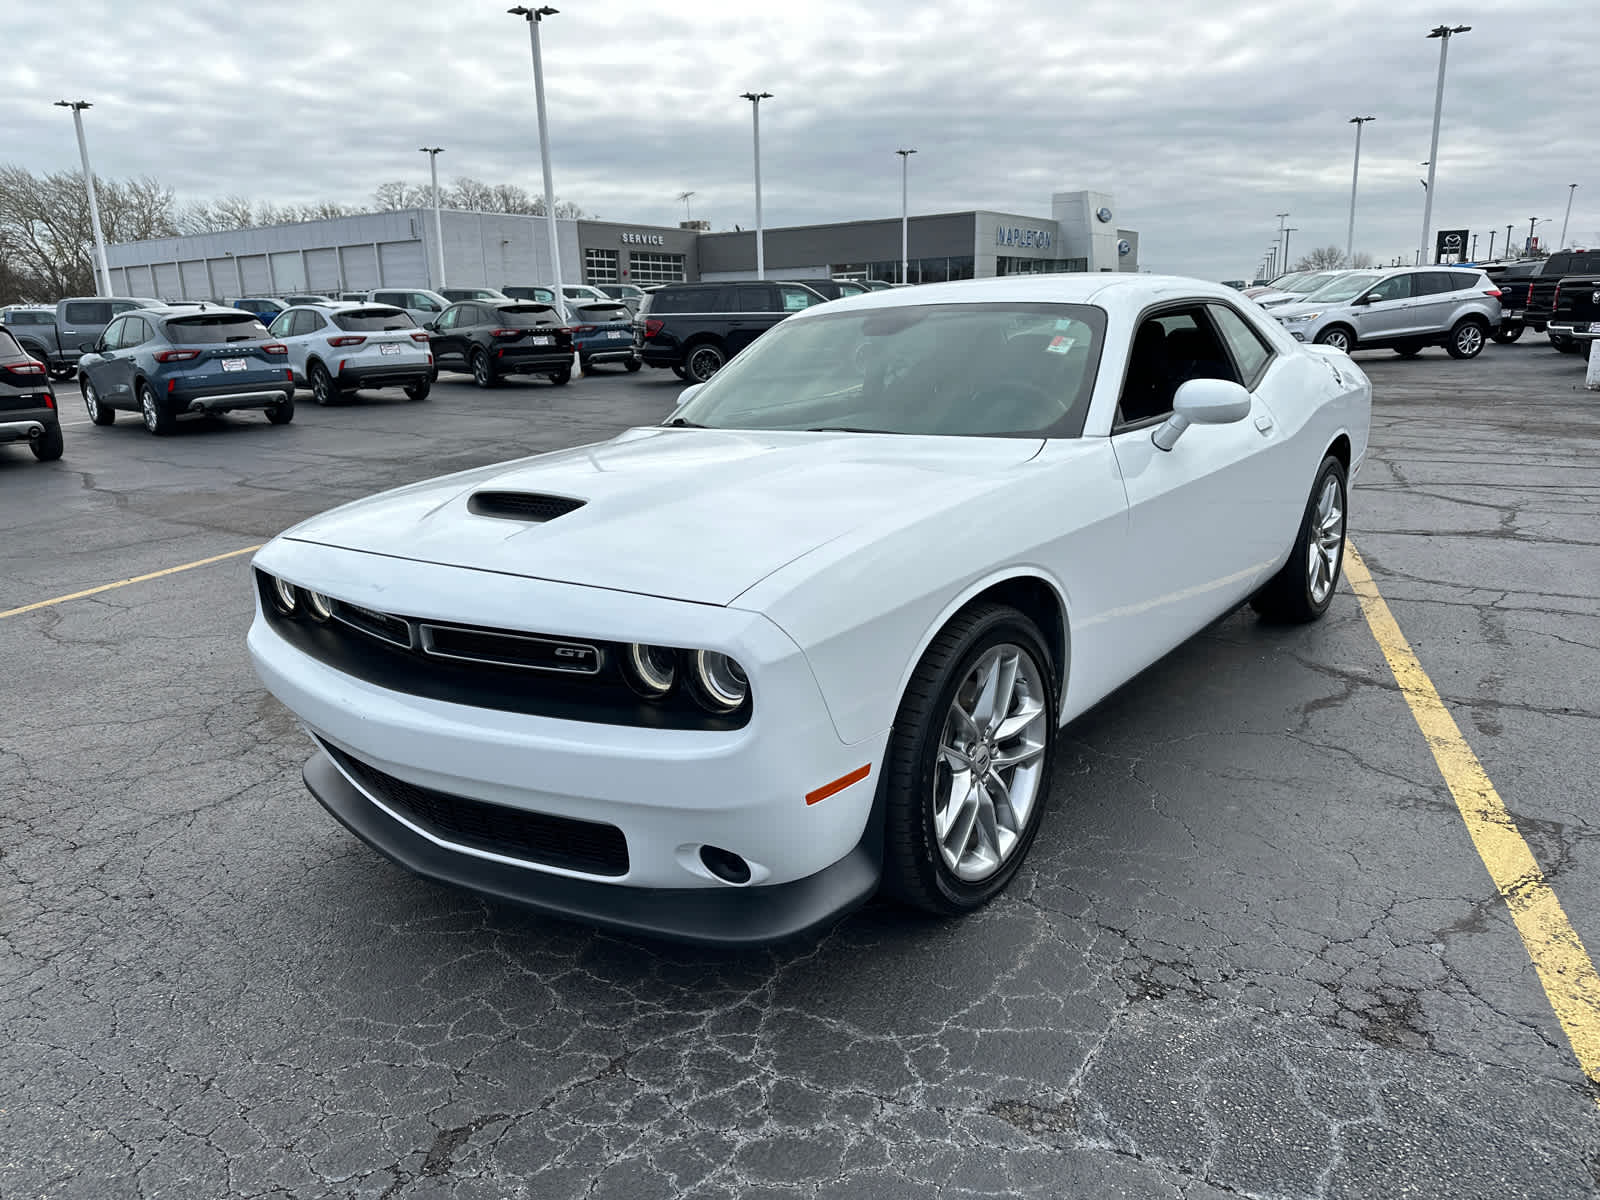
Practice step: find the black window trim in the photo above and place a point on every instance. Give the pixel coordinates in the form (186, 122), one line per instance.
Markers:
(1266, 342)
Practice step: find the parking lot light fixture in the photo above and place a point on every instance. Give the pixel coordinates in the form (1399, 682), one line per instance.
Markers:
(1355, 171)
(1444, 33)
(755, 99)
(1280, 261)
(1572, 189)
(535, 17)
(77, 107)
(1287, 230)
(905, 262)
(433, 153)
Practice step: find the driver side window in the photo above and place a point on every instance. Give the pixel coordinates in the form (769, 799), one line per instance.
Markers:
(448, 321)
(111, 339)
(1396, 287)
(1169, 349)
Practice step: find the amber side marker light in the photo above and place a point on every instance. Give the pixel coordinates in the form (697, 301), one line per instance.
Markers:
(838, 785)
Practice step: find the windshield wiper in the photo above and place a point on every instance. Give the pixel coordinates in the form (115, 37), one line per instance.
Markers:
(844, 429)
(680, 423)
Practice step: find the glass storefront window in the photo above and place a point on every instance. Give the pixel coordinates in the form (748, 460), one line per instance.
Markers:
(600, 266)
(647, 268)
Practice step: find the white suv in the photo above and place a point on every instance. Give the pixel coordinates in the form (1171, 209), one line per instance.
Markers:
(1403, 310)
(338, 347)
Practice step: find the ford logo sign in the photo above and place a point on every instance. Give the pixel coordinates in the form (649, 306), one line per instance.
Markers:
(1124, 247)
(1103, 214)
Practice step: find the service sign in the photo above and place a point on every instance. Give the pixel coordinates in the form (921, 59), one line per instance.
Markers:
(643, 239)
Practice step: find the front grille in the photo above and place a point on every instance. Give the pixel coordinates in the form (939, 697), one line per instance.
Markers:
(522, 506)
(510, 649)
(378, 624)
(588, 846)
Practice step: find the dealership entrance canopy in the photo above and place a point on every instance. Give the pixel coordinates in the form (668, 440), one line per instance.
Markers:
(397, 249)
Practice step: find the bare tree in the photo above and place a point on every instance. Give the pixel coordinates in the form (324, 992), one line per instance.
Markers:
(397, 194)
(1326, 258)
(1361, 260)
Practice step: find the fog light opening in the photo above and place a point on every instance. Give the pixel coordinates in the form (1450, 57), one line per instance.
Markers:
(725, 864)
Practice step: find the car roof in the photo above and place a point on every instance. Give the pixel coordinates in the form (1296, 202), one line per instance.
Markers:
(1120, 293)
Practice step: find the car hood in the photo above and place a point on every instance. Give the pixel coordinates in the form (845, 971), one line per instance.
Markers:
(1296, 309)
(691, 514)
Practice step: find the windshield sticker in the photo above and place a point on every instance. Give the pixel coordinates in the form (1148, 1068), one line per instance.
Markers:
(1061, 345)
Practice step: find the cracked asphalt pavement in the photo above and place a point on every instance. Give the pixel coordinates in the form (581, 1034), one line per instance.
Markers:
(1253, 952)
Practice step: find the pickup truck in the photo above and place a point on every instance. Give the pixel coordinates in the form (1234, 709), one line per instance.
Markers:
(1576, 316)
(1542, 301)
(1516, 284)
(58, 341)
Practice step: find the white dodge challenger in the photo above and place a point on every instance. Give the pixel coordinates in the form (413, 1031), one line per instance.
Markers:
(815, 635)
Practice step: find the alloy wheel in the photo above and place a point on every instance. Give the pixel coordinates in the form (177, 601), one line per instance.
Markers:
(1339, 340)
(91, 401)
(990, 767)
(1469, 340)
(480, 369)
(147, 406)
(1326, 543)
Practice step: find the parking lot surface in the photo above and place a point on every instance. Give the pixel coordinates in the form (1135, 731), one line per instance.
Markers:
(1254, 951)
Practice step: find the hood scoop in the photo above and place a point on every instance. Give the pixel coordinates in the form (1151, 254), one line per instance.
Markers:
(533, 507)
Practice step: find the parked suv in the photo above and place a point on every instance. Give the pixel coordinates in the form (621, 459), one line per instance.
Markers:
(835, 289)
(513, 337)
(456, 294)
(336, 348)
(27, 402)
(695, 328)
(602, 332)
(1404, 310)
(1516, 284)
(263, 308)
(421, 304)
(164, 362)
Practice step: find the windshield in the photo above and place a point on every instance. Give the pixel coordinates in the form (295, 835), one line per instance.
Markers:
(1310, 283)
(954, 370)
(1282, 282)
(1346, 287)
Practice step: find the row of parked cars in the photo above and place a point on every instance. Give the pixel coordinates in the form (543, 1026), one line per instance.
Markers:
(1458, 307)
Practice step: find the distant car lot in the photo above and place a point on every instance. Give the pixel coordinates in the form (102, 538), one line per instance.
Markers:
(1254, 952)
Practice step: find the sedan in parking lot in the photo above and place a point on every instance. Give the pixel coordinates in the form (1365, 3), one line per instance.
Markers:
(337, 348)
(513, 337)
(167, 362)
(816, 634)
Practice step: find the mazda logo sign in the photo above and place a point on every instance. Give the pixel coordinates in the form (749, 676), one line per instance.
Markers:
(1452, 241)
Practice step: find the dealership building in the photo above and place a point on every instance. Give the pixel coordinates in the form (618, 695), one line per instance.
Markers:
(400, 249)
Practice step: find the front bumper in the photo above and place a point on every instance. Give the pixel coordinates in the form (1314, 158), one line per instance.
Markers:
(726, 917)
(669, 791)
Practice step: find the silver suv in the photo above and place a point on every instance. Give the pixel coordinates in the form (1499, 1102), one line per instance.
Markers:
(1403, 310)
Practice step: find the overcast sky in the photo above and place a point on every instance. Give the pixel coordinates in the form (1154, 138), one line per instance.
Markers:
(1203, 117)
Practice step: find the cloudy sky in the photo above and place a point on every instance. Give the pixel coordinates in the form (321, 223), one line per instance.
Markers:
(1203, 117)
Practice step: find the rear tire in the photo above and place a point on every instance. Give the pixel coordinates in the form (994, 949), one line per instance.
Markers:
(158, 419)
(282, 413)
(482, 373)
(322, 389)
(1506, 336)
(1565, 345)
(50, 446)
(1295, 595)
(680, 373)
(418, 391)
(562, 377)
(633, 364)
(1466, 339)
(704, 360)
(932, 747)
(100, 414)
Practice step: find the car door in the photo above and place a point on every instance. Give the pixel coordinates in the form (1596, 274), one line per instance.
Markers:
(1204, 519)
(107, 366)
(1436, 294)
(136, 333)
(1389, 315)
(446, 337)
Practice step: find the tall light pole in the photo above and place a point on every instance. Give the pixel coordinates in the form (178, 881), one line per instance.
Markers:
(755, 99)
(1571, 191)
(535, 17)
(1532, 221)
(77, 107)
(1492, 234)
(905, 262)
(1279, 267)
(1444, 33)
(433, 153)
(1287, 230)
(1355, 171)
(1508, 239)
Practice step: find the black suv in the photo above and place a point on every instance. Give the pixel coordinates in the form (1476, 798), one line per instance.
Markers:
(27, 402)
(513, 337)
(695, 328)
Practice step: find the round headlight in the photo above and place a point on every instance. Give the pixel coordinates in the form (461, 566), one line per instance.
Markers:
(651, 670)
(318, 606)
(283, 595)
(720, 681)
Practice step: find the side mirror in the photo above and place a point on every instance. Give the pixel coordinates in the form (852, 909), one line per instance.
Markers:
(432, 326)
(88, 347)
(1369, 298)
(1202, 402)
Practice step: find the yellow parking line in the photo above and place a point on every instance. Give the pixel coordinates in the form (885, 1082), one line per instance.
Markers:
(121, 583)
(1563, 965)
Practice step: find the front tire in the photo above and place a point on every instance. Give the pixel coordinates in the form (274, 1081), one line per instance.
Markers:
(100, 414)
(968, 766)
(1564, 344)
(1408, 351)
(1338, 337)
(1466, 339)
(49, 446)
(157, 418)
(1303, 588)
(633, 364)
(1506, 336)
(680, 373)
